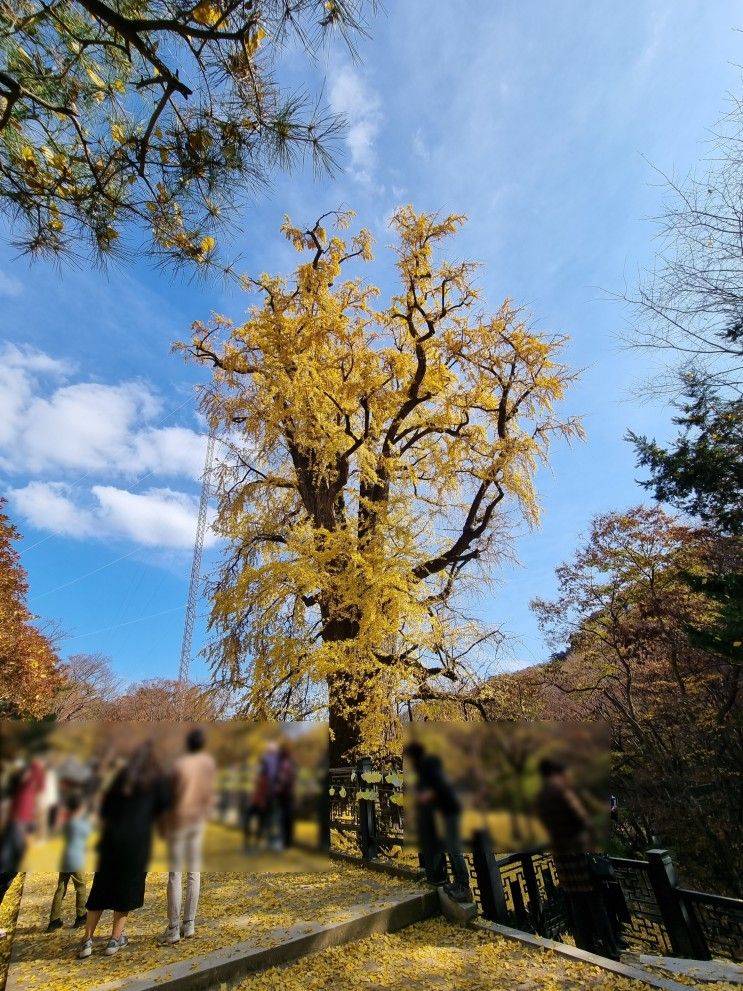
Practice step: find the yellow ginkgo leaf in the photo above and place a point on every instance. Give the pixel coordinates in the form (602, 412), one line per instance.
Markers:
(94, 77)
(206, 13)
(254, 41)
(117, 133)
(207, 244)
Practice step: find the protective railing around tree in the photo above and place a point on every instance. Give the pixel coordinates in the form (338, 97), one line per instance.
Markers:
(522, 889)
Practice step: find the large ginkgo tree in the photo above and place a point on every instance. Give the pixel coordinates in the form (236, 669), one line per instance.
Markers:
(379, 456)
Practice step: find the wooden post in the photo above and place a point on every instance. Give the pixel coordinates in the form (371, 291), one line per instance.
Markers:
(367, 815)
(532, 887)
(324, 812)
(489, 881)
(686, 936)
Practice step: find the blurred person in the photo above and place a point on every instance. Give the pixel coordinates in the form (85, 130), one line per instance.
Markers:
(223, 800)
(435, 793)
(47, 803)
(193, 793)
(24, 803)
(134, 800)
(92, 785)
(13, 837)
(568, 824)
(613, 808)
(252, 812)
(285, 784)
(76, 830)
(244, 795)
(268, 780)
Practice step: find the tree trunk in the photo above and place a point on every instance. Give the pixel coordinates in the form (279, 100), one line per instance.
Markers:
(344, 699)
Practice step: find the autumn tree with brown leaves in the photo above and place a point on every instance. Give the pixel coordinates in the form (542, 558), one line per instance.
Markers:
(89, 685)
(624, 610)
(29, 665)
(164, 699)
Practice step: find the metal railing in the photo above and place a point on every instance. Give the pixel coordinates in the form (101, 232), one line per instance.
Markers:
(522, 889)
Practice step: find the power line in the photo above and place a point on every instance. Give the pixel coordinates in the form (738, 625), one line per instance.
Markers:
(118, 626)
(74, 581)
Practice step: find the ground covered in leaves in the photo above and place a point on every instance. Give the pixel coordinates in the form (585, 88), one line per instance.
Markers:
(233, 907)
(437, 955)
(223, 852)
(8, 913)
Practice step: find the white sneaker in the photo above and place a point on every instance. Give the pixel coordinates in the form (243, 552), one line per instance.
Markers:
(169, 937)
(86, 948)
(114, 945)
(189, 929)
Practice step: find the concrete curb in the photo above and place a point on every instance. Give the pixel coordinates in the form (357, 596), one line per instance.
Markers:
(380, 866)
(582, 956)
(228, 966)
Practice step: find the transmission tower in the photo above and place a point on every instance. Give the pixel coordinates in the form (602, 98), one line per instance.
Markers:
(198, 547)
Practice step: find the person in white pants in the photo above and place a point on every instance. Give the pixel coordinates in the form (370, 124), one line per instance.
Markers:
(194, 780)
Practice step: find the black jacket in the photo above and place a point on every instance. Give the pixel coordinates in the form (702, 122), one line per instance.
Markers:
(128, 820)
(431, 777)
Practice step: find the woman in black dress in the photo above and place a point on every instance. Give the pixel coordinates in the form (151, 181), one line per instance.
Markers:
(136, 798)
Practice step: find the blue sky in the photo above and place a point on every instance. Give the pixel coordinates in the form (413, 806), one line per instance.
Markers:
(537, 120)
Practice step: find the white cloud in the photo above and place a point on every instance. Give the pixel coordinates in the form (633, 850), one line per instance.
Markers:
(155, 518)
(51, 426)
(48, 425)
(9, 285)
(179, 450)
(350, 96)
(21, 373)
(47, 506)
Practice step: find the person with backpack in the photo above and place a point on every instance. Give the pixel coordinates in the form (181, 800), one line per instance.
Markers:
(568, 824)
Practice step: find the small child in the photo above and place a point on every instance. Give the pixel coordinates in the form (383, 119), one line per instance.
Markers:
(75, 831)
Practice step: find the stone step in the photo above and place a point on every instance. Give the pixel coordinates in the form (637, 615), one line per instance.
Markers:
(224, 968)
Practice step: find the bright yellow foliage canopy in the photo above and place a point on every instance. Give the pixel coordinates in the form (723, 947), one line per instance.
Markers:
(379, 456)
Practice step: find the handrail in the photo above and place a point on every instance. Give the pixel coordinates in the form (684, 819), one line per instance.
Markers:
(723, 901)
